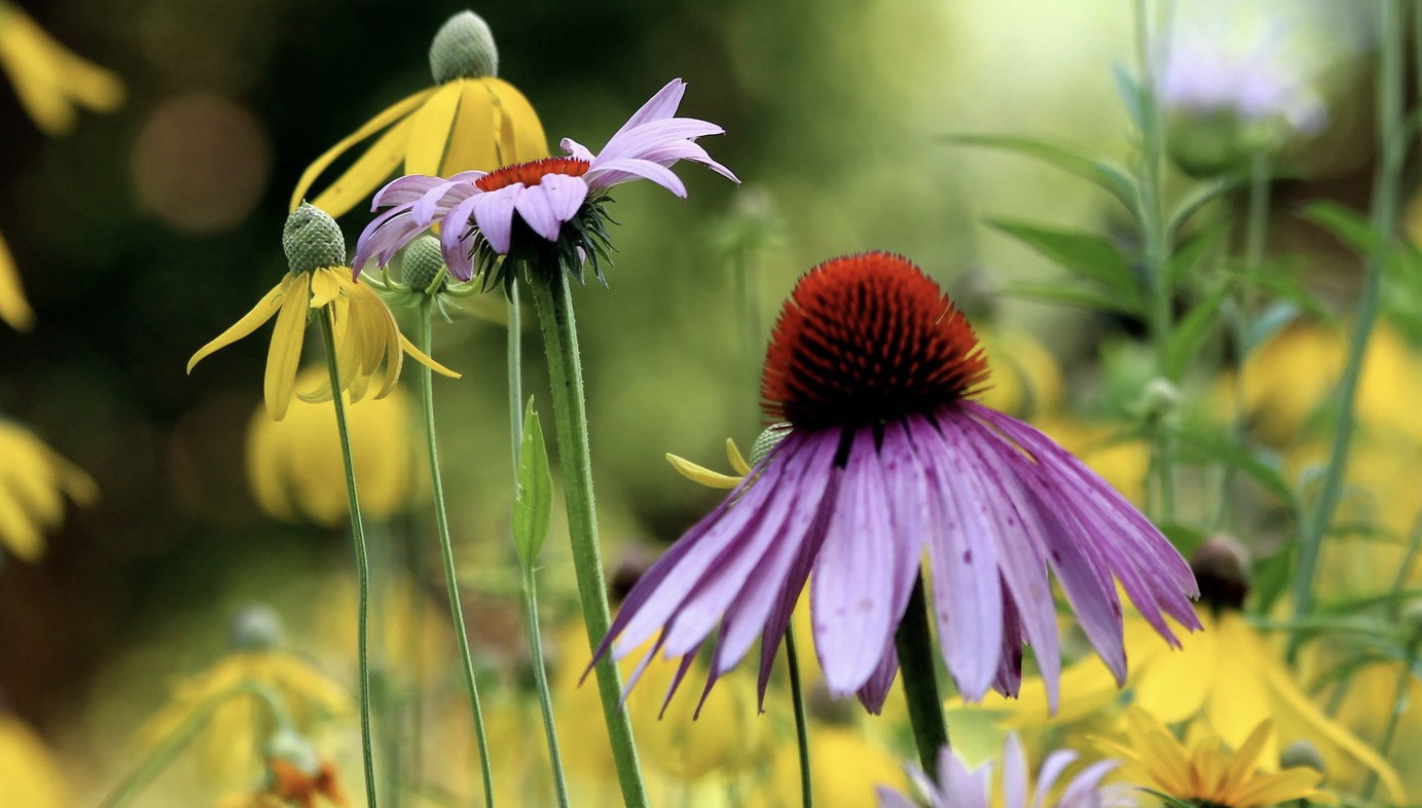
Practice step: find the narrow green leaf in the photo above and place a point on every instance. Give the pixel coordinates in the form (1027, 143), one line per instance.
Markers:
(1072, 295)
(533, 507)
(1199, 197)
(1131, 96)
(1189, 252)
(1190, 335)
(1109, 179)
(1280, 285)
(1349, 226)
(1207, 446)
(1271, 321)
(1084, 255)
(1272, 577)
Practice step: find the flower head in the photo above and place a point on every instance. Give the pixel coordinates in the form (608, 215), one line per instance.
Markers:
(886, 457)
(958, 787)
(551, 208)
(1205, 772)
(368, 343)
(34, 481)
(50, 80)
(470, 119)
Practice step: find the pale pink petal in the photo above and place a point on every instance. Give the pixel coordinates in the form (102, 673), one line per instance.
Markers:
(493, 213)
(616, 172)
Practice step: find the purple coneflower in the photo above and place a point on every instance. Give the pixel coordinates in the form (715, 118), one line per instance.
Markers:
(886, 456)
(557, 199)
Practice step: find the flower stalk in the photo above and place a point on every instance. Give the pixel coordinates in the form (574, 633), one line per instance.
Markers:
(914, 642)
(446, 548)
(802, 721)
(554, 303)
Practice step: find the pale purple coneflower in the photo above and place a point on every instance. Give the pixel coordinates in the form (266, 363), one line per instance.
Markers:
(551, 206)
(886, 457)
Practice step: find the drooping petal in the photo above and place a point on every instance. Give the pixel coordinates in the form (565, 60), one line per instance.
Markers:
(285, 351)
(473, 138)
(429, 134)
(14, 309)
(265, 309)
(875, 691)
(535, 207)
(616, 172)
(370, 127)
(368, 171)
(493, 213)
(1014, 773)
(852, 587)
(521, 137)
(451, 245)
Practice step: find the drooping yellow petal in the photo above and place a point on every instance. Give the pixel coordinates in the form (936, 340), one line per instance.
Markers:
(325, 286)
(1175, 685)
(368, 172)
(251, 321)
(370, 127)
(1246, 759)
(285, 351)
(1239, 700)
(702, 475)
(419, 356)
(93, 87)
(471, 141)
(25, 53)
(736, 459)
(19, 534)
(430, 134)
(521, 136)
(1283, 787)
(14, 309)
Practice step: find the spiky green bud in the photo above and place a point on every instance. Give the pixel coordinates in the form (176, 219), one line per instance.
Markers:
(255, 628)
(422, 263)
(312, 240)
(464, 49)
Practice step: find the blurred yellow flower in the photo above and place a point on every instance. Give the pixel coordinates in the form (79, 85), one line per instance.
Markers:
(294, 465)
(1203, 771)
(48, 79)
(845, 768)
(29, 773)
(295, 776)
(33, 483)
(367, 338)
(1026, 379)
(1368, 705)
(238, 718)
(470, 120)
(1120, 460)
(14, 309)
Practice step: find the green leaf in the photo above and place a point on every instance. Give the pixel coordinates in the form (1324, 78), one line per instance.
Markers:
(1085, 255)
(1190, 336)
(1271, 321)
(1185, 538)
(1131, 96)
(1199, 197)
(1272, 577)
(1072, 294)
(1103, 176)
(1349, 226)
(1280, 285)
(1209, 446)
(533, 507)
(1188, 253)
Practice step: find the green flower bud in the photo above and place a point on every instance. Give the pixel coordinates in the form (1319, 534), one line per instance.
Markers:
(1301, 753)
(257, 627)
(312, 240)
(422, 262)
(769, 439)
(464, 49)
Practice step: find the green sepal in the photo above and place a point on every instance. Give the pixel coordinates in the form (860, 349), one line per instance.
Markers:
(533, 507)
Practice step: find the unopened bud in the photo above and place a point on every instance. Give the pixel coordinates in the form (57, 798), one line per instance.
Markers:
(1302, 753)
(1158, 400)
(464, 49)
(422, 263)
(257, 627)
(312, 240)
(1221, 567)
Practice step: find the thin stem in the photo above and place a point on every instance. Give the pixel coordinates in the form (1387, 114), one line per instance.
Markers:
(914, 642)
(446, 548)
(540, 675)
(1386, 189)
(1151, 212)
(554, 302)
(1399, 706)
(327, 319)
(802, 723)
(515, 370)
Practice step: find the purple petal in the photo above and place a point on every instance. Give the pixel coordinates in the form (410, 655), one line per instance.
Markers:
(451, 238)
(852, 588)
(616, 172)
(576, 150)
(385, 234)
(1080, 792)
(911, 515)
(565, 195)
(493, 213)
(1014, 773)
(1009, 665)
(405, 190)
(536, 210)
(632, 143)
(659, 106)
(889, 798)
(876, 691)
(1052, 768)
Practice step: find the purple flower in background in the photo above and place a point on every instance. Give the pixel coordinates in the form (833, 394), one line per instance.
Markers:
(551, 200)
(886, 457)
(957, 787)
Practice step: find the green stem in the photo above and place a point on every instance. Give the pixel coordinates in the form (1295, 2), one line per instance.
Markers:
(515, 369)
(554, 301)
(1399, 706)
(914, 642)
(362, 562)
(446, 547)
(1392, 149)
(540, 675)
(802, 723)
(1151, 212)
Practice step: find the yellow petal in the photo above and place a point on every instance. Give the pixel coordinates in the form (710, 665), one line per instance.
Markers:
(368, 172)
(471, 142)
(431, 131)
(1283, 787)
(250, 322)
(1174, 686)
(1246, 759)
(701, 474)
(521, 137)
(738, 462)
(14, 309)
(370, 127)
(326, 284)
(93, 87)
(419, 356)
(285, 351)
(26, 54)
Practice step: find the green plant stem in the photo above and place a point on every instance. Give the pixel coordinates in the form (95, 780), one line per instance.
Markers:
(914, 642)
(1399, 706)
(554, 302)
(1392, 148)
(802, 722)
(540, 675)
(362, 561)
(515, 371)
(446, 547)
(1151, 212)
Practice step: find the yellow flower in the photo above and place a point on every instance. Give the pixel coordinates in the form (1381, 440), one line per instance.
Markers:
(33, 483)
(29, 774)
(845, 768)
(294, 465)
(1026, 379)
(14, 309)
(470, 120)
(368, 343)
(1225, 677)
(1205, 772)
(709, 478)
(1121, 460)
(237, 717)
(50, 80)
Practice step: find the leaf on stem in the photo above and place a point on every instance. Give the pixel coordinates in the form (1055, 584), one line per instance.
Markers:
(1086, 255)
(1103, 176)
(533, 507)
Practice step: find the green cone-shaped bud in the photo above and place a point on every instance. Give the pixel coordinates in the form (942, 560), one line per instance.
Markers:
(769, 439)
(464, 49)
(256, 628)
(422, 263)
(312, 240)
